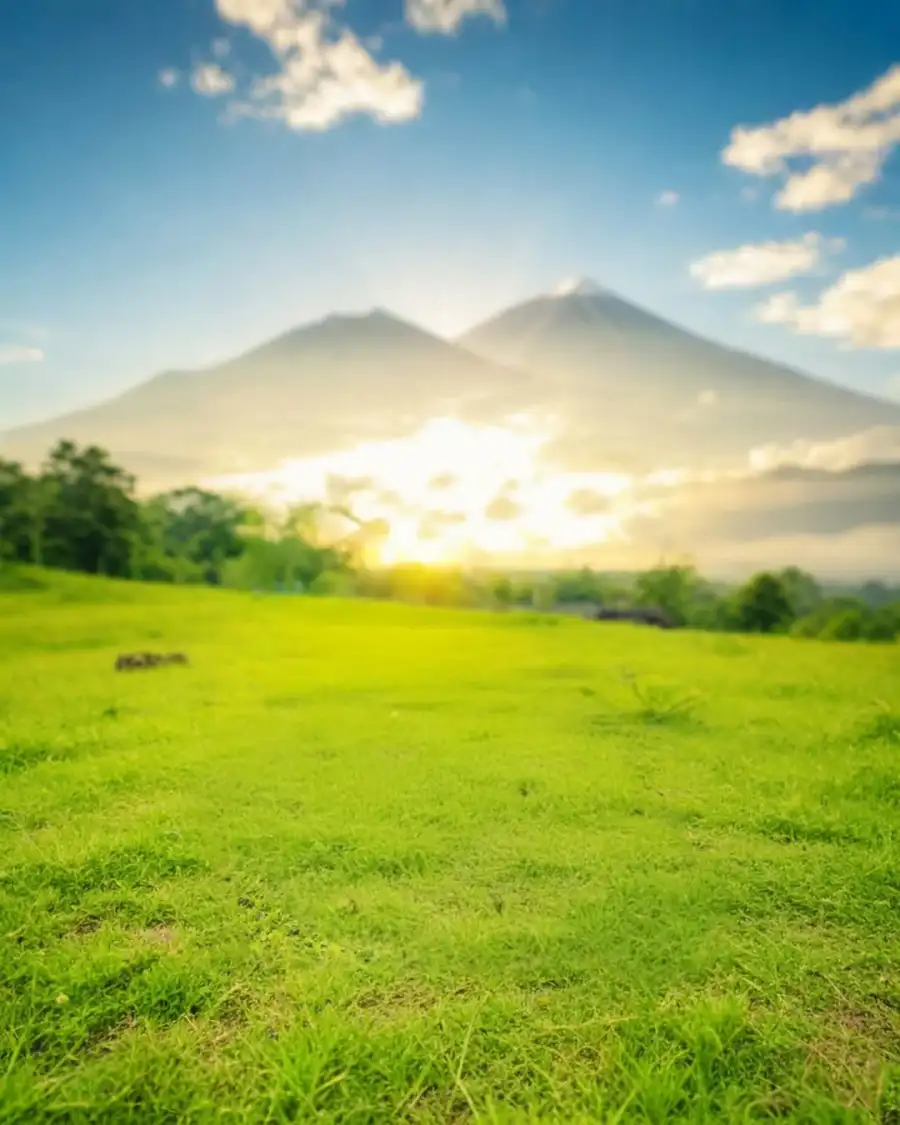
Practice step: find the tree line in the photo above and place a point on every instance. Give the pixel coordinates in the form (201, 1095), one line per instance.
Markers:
(80, 512)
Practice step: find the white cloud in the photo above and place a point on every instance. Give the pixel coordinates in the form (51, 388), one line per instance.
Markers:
(879, 444)
(323, 72)
(862, 308)
(323, 75)
(19, 353)
(847, 142)
(445, 16)
(667, 199)
(259, 15)
(169, 78)
(210, 80)
(762, 263)
(777, 309)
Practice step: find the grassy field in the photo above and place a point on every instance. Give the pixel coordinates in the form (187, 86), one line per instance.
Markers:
(363, 862)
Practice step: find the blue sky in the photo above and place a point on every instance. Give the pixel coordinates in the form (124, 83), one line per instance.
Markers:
(146, 226)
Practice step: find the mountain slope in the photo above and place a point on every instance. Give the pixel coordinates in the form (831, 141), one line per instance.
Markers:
(627, 391)
(645, 390)
(340, 381)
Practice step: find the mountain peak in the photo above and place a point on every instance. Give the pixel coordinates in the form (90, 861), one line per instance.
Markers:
(577, 287)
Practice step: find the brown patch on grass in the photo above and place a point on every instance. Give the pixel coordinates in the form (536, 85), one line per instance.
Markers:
(404, 1000)
(159, 935)
(851, 1053)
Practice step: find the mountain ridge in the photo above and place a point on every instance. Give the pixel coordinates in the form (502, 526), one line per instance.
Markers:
(631, 387)
(622, 368)
(342, 378)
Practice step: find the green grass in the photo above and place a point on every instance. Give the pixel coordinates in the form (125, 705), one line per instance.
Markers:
(364, 863)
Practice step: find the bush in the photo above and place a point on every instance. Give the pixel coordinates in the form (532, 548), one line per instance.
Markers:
(333, 584)
(847, 619)
(884, 623)
(669, 588)
(763, 605)
(849, 625)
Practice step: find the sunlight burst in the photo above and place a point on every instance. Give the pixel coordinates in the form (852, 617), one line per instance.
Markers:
(454, 492)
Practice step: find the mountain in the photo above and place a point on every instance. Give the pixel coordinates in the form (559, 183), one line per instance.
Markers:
(341, 381)
(623, 394)
(644, 392)
(620, 388)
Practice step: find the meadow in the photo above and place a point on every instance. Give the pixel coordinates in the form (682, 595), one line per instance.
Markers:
(363, 862)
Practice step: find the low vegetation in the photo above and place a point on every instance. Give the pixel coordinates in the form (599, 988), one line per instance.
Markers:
(369, 862)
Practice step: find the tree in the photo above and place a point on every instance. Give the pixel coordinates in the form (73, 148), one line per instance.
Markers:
(502, 592)
(803, 591)
(91, 521)
(763, 605)
(848, 625)
(850, 619)
(195, 527)
(669, 588)
(877, 594)
(289, 551)
(884, 623)
(15, 486)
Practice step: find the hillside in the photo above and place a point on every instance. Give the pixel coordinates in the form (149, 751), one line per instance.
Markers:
(649, 392)
(376, 863)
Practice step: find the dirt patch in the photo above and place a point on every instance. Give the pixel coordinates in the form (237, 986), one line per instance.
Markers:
(159, 935)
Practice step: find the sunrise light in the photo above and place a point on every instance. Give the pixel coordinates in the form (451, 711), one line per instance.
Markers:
(453, 491)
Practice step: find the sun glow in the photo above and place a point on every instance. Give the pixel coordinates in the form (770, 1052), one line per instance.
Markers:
(455, 492)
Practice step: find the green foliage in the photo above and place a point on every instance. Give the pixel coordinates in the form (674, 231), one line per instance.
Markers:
(850, 619)
(587, 586)
(803, 592)
(848, 625)
(662, 703)
(417, 583)
(17, 513)
(333, 584)
(763, 605)
(90, 519)
(79, 513)
(878, 595)
(884, 623)
(200, 528)
(289, 565)
(363, 862)
(669, 588)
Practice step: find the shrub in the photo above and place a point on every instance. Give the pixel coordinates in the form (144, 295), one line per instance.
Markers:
(763, 605)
